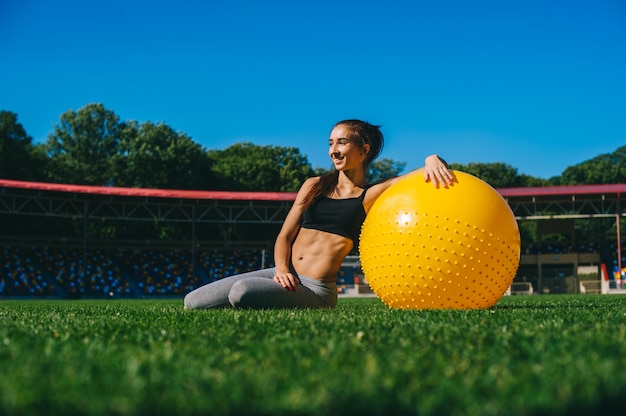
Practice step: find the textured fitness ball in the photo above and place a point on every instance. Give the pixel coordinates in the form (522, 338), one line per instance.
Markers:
(440, 248)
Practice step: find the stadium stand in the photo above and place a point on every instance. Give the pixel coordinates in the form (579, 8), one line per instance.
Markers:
(40, 271)
(216, 264)
(160, 273)
(20, 275)
(68, 273)
(96, 273)
(82, 267)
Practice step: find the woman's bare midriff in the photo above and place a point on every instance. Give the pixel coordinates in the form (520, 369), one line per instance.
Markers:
(319, 254)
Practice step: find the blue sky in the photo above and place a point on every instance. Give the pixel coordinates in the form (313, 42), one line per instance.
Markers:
(539, 85)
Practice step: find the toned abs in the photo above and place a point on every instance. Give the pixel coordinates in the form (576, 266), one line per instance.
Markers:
(319, 254)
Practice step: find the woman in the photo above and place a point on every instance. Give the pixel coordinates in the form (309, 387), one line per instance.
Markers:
(320, 230)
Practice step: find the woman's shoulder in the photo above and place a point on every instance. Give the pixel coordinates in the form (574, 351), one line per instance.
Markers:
(309, 183)
(382, 185)
(306, 187)
(312, 180)
(376, 189)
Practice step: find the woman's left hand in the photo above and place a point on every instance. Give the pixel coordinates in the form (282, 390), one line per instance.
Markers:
(436, 170)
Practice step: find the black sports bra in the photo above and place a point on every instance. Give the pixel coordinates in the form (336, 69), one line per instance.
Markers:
(337, 216)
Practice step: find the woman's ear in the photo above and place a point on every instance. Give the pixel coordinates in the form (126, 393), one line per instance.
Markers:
(366, 149)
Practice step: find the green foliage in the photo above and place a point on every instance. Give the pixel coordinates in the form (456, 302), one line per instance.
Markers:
(597, 229)
(93, 146)
(543, 354)
(379, 170)
(384, 169)
(318, 171)
(605, 168)
(499, 175)
(528, 230)
(248, 167)
(19, 158)
(156, 156)
(82, 146)
(526, 181)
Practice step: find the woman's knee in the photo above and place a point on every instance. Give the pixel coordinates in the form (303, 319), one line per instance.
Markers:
(191, 301)
(240, 294)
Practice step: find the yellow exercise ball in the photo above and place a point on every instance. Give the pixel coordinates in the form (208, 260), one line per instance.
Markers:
(440, 248)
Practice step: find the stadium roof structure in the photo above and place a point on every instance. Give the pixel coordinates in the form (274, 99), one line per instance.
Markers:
(571, 201)
(140, 204)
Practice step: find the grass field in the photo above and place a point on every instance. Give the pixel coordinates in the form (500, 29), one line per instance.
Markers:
(527, 355)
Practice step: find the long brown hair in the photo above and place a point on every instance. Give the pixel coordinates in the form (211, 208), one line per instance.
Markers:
(360, 133)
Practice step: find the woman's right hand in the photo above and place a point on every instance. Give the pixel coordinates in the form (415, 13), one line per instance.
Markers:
(287, 280)
(436, 170)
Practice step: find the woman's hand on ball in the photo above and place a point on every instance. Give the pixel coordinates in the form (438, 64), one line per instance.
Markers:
(436, 171)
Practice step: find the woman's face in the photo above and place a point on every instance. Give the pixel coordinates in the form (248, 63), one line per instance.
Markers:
(343, 152)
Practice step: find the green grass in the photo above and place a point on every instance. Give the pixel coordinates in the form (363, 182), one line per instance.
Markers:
(527, 355)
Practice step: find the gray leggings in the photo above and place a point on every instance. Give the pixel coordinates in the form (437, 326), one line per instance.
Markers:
(259, 290)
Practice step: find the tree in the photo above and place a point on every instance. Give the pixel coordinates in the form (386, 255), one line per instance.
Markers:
(498, 175)
(384, 169)
(83, 145)
(249, 167)
(156, 156)
(605, 168)
(19, 158)
(378, 170)
(528, 181)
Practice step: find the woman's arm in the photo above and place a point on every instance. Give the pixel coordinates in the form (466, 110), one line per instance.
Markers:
(286, 236)
(435, 170)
